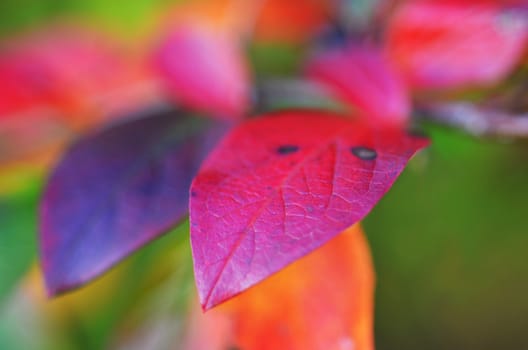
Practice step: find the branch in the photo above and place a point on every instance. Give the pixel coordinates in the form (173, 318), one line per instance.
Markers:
(467, 117)
(476, 120)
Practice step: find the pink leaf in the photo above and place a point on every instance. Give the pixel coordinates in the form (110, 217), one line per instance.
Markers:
(439, 44)
(205, 70)
(279, 187)
(363, 78)
(71, 74)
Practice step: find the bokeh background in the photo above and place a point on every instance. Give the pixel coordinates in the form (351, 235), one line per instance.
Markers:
(449, 240)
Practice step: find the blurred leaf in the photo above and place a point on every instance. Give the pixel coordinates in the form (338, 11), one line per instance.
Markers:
(322, 301)
(292, 21)
(38, 79)
(362, 77)
(441, 44)
(117, 189)
(204, 68)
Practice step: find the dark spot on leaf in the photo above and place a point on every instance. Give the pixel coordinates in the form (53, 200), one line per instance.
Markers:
(364, 153)
(287, 149)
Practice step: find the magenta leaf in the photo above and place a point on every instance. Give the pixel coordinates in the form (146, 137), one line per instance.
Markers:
(280, 186)
(116, 190)
(203, 68)
(363, 78)
(456, 44)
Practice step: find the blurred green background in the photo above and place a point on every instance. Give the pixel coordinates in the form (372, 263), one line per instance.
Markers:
(449, 244)
(448, 241)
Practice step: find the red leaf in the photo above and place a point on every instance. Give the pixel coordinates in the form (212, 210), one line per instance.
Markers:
(279, 187)
(66, 72)
(322, 301)
(363, 78)
(292, 21)
(455, 44)
(205, 69)
(116, 190)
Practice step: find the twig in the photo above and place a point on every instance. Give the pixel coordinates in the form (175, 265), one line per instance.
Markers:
(476, 120)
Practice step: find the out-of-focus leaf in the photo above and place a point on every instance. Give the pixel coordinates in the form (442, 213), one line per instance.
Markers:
(450, 44)
(117, 189)
(60, 81)
(363, 78)
(279, 187)
(204, 69)
(292, 21)
(18, 213)
(70, 73)
(322, 301)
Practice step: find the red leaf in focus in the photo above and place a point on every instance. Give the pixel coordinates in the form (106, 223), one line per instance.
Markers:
(204, 68)
(279, 187)
(322, 301)
(363, 78)
(439, 44)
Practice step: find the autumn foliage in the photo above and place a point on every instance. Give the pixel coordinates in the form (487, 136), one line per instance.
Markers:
(178, 127)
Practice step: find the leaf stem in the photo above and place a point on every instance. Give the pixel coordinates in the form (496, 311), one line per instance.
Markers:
(476, 120)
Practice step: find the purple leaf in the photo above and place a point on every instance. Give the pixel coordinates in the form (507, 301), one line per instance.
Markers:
(116, 190)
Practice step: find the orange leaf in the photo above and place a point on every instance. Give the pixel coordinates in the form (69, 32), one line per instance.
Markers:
(289, 21)
(293, 20)
(322, 301)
